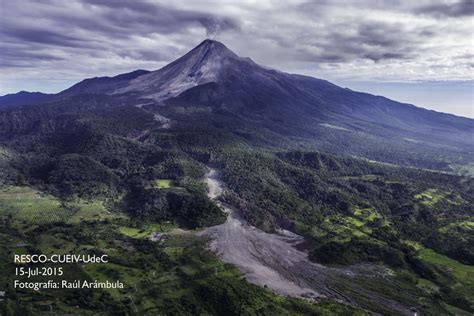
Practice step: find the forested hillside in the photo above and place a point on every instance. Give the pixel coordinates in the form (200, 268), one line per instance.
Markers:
(111, 162)
(350, 210)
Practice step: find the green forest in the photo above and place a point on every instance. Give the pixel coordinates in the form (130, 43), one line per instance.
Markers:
(97, 183)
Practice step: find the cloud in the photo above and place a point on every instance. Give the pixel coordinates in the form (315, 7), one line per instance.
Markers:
(12, 57)
(99, 25)
(369, 40)
(452, 9)
(42, 36)
(155, 17)
(335, 40)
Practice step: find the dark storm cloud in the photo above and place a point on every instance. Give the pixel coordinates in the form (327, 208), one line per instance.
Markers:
(453, 9)
(90, 25)
(347, 39)
(13, 57)
(42, 36)
(53, 43)
(369, 40)
(155, 17)
(380, 34)
(144, 54)
(75, 39)
(11, 53)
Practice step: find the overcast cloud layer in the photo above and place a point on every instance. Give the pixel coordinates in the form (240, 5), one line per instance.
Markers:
(48, 45)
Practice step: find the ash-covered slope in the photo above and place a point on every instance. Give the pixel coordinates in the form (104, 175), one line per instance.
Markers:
(211, 75)
(206, 63)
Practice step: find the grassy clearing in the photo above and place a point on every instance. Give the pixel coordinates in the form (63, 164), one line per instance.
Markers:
(413, 244)
(366, 214)
(429, 197)
(162, 183)
(33, 207)
(358, 224)
(462, 272)
(29, 205)
(343, 228)
(466, 226)
(146, 230)
(427, 286)
(49, 244)
(90, 211)
(112, 272)
(139, 233)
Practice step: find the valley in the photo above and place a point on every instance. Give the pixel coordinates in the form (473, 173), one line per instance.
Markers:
(273, 260)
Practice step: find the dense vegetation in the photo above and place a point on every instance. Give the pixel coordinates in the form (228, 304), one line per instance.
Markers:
(177, 277)
(109, 176)
(305, 190)
(354, 211)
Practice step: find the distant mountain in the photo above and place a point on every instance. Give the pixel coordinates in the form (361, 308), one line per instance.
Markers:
(212, 75)
(212, 87)
(97, 85)
(23, 97)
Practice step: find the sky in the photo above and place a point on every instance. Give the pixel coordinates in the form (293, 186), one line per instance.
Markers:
(419, 52)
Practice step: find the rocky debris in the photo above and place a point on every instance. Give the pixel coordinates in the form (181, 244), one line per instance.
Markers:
(273, 262)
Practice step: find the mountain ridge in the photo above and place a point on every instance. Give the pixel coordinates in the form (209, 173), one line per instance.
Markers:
(23, 97)
(207, 43)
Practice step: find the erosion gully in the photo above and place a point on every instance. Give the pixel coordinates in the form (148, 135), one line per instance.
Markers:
(272, 261)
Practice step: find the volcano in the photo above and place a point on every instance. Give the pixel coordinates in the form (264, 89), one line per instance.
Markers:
(211, 86)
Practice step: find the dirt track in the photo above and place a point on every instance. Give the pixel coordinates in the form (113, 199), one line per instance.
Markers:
(271, 259)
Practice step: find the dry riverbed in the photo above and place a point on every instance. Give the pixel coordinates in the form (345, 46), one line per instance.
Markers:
(271, 260)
